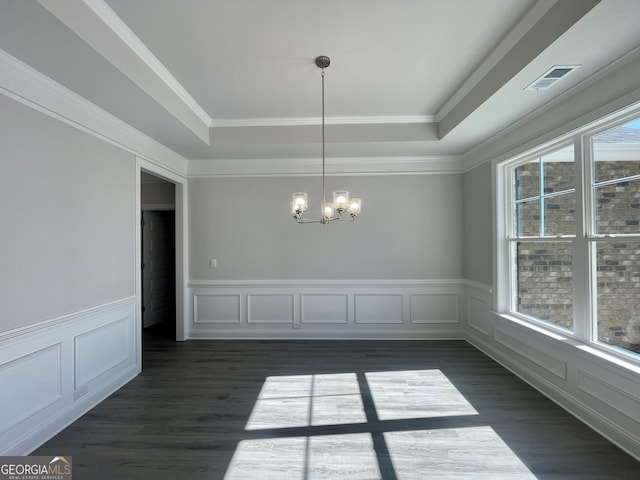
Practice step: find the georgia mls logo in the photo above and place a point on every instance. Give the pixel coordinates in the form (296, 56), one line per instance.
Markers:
(60, 465)
(35, 468)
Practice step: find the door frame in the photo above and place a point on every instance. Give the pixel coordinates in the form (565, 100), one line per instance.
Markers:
(181, 246)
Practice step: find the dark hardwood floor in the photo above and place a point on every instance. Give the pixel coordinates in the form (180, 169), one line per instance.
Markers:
(305, 410)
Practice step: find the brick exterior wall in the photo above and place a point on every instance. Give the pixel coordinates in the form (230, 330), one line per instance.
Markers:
(544, 269)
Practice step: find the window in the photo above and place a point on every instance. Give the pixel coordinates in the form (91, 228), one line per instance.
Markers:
(569, 253)
(543, 224)
(614, 234)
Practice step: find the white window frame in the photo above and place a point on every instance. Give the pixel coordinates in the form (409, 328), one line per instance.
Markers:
(512, 238)
(585, 327)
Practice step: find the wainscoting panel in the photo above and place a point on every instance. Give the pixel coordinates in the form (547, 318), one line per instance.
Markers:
(30, 384)
(435, 308)
(216, 308)
(624, 400)
(601, 389)
(100, 350)
(520, 345)
(270, 308)
(378, 308)
(331, 309)
(53, 372)
(324, 308)
(478, 313)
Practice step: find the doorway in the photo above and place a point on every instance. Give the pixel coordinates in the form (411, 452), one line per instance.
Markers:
(158, 257)
(158, 272)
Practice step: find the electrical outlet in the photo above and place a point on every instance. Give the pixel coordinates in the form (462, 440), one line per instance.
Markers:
(213, 263)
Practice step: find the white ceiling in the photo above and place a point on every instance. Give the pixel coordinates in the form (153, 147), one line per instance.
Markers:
(236, 79)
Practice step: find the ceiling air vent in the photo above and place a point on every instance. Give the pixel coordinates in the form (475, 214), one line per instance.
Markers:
(551, 76)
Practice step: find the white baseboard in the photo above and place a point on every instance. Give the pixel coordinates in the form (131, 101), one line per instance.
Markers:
(58, 370)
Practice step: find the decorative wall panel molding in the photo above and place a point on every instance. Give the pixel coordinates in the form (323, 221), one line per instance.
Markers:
(601, 390)
(216, 308)
(30, 384)
(270, 308)
(478, 313)
(100, 350)
(622, 400)
(378, 308)
(62, 368)
(434, 308)
(324, 308)
(328, 309)
(535, 355)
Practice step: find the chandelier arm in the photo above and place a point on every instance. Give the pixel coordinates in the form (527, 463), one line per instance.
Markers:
(305, 220)
(322, 220)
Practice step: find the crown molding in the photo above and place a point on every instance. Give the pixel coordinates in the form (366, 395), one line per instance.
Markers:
(100, 28)
(383, 282)
(474, 158)
(537, 11)
(130, 39)
(335, 166)
(28, 86)
(296, 121)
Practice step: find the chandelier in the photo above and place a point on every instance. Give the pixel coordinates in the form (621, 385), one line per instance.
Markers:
(341, 202)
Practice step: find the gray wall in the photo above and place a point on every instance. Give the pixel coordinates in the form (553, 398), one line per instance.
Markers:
(478, 230)
(67, 218)
(411, 228)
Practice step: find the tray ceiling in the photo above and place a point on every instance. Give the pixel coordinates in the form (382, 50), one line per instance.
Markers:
(227, 79)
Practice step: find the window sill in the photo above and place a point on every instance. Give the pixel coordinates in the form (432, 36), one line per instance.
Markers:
(544, 329)
(568, 340)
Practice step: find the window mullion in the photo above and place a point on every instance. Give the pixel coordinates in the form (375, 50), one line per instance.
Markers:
(582, 283)
(541, 166)
(504, 216)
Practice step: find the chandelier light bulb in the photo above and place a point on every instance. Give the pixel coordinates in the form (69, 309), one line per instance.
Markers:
(328, 211)
(340, 200)
(355, 206)
(299, 203)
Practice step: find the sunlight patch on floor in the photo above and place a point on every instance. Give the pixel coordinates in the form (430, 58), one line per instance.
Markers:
(308, 400)
(269, 459)
(472, 453)
(416, 394)
(345, 457)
